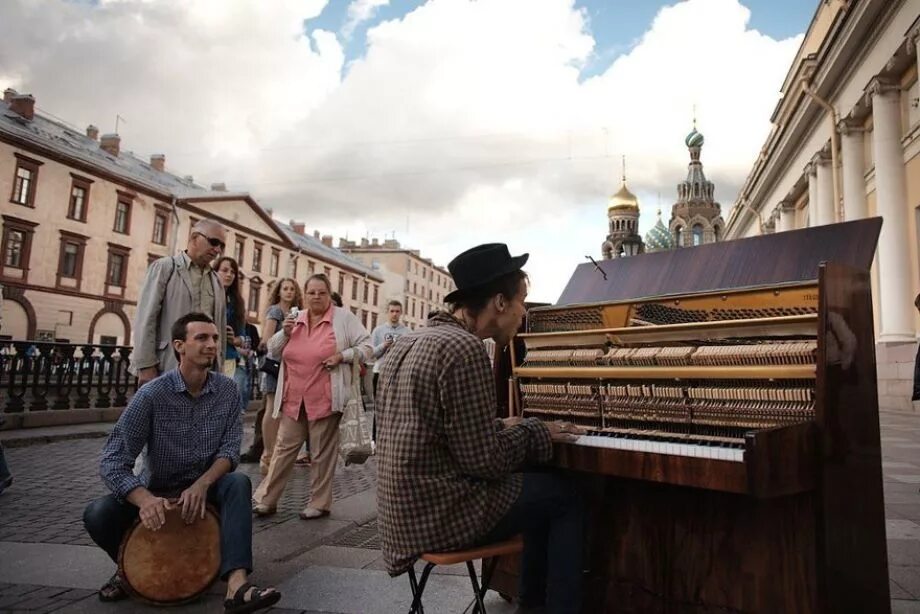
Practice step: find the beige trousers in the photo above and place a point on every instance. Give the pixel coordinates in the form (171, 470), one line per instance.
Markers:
(269, 432)
(324, 449)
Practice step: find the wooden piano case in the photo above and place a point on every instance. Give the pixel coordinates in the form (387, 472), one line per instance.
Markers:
(799, 525)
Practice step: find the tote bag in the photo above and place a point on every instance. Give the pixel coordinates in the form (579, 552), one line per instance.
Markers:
(355, 444)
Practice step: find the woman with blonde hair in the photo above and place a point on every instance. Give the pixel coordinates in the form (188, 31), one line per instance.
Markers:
(285, 294)
(317, 347)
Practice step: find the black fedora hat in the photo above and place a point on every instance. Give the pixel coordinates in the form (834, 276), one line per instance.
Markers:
(480, 265)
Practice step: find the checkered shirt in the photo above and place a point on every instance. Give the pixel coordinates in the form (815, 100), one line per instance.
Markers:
(184, 435)
(445, 468)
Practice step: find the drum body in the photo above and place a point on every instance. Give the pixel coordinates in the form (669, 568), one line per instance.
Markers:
(173, 565)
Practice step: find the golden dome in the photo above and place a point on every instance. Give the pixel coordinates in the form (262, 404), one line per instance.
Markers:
(624, 199)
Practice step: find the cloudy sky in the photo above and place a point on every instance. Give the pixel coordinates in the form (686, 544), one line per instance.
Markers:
(447, 123)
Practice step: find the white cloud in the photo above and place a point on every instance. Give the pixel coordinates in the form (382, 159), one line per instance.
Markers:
(360, 11)
(463, 117)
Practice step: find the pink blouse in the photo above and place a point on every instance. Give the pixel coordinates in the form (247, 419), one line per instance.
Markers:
(305, 379)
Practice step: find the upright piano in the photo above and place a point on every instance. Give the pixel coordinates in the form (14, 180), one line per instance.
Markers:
(732, 460)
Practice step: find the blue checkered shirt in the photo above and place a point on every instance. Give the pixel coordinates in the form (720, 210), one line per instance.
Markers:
(184, 435)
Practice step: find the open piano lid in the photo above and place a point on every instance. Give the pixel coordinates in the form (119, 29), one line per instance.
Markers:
(767, 260)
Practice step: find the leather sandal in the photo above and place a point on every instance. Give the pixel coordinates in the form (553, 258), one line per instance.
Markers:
(113, 590)
(259, 599)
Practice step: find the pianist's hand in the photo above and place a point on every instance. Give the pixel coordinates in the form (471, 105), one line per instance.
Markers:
(564, 431)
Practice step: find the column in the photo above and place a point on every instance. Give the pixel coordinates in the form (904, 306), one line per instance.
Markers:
(786, 217)
(824, 179)
(895, 300)
(811, 172)
(852, 135)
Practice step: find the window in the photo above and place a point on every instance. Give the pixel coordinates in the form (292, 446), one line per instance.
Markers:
(311, 267)
(257, 257)
(366, 288)
(79, 198)
(122, 216)
(238, 250)
(25, 181)
(14, 254)
(364, 319)
(70, 261)
(255, 290)
(354, 310)
(413, 308)
(407, 285)
(108, 340)
(273, 263)
(116, 273)
(327, 272)
(294, 267)
(354, 288)
(414, 288)
(160, 221)
(376, 294)
(697, 234)
(342, 284)
(678, 237)
(16, 247)
(373, 321)
(151, 258)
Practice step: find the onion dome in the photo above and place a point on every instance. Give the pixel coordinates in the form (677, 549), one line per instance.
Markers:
(694, 139)
(623, 199)
(658, 238)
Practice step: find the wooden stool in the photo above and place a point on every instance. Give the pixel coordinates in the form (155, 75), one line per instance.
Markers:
(492, 551)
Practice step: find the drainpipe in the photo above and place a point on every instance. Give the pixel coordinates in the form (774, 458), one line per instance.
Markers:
(175, 229)
(832, 112)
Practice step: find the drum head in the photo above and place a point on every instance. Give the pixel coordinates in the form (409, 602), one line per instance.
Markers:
(173, 565)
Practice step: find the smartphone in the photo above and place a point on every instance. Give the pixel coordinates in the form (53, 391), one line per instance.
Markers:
(294, 312)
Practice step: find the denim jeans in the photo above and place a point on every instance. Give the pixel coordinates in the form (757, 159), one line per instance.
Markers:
(243, 384)
(4, 469)
(107, 520)
(549, 513)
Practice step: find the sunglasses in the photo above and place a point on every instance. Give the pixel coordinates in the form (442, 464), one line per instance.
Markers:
(213, 241)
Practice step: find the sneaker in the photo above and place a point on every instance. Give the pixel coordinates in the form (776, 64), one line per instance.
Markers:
(311, 513)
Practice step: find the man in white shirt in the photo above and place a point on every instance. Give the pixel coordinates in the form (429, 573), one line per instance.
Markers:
(382, 339)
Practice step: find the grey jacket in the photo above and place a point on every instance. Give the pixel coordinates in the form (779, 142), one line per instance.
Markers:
(165, 297)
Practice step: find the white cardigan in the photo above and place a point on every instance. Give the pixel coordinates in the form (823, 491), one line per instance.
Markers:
(351, 339)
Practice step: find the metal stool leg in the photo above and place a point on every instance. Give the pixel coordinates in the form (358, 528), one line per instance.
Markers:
(480, 606)
(418, 588)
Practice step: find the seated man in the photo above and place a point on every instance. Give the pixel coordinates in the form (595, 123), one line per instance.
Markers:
(189, 420)
(447, 467)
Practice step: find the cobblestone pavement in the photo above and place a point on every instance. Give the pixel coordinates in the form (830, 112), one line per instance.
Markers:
(55, 481)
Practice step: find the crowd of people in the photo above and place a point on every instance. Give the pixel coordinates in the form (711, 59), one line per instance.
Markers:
(450, 474)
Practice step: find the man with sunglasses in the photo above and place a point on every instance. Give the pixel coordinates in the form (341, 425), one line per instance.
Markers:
(173, 287)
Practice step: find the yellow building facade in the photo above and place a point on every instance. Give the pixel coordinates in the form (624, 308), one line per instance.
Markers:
(82, 219)
(845, 145)
(416, 282)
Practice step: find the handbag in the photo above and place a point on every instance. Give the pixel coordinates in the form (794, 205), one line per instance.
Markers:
(270, 366)
(355, 443)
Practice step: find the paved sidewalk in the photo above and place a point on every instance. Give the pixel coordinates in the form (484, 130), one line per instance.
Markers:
(330, 566)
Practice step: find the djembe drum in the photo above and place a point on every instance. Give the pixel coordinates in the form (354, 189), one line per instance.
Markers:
(173, 565)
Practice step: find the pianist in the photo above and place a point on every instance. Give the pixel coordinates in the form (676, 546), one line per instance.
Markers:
(449, 471)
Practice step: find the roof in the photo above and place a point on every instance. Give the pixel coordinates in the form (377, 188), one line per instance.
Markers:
(624, 199)
(58, 138)
(313, 246)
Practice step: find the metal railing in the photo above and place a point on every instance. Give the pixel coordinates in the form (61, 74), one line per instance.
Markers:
(38, 376)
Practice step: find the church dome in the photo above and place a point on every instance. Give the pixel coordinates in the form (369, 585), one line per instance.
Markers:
(624, 199)
(694, 139)
(658, 238)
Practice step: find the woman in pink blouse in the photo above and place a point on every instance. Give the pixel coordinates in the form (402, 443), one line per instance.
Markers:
(317, 348)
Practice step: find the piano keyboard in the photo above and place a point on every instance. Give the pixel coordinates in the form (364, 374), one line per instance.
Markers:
(636, 443)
